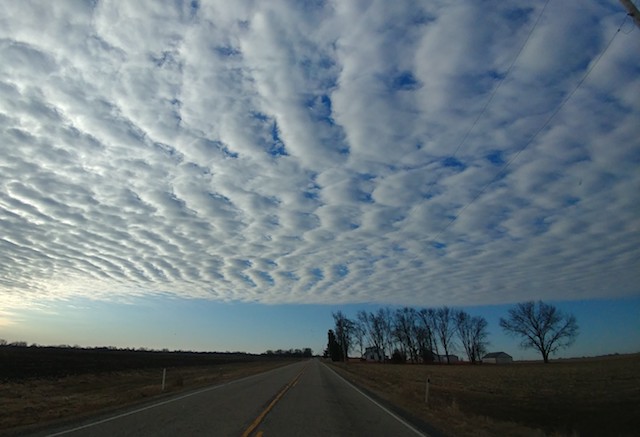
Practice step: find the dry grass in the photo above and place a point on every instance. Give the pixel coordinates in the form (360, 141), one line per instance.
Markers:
(599, 396)
(38, 401)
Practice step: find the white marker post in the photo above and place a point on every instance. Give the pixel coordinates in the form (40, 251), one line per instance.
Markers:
(426, 390)
(164, 377)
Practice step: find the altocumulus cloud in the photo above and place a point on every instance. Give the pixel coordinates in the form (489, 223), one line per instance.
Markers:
(315, 152)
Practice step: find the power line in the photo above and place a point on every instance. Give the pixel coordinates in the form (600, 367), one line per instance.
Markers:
(543, 127)
(493, 93)
(495, 90)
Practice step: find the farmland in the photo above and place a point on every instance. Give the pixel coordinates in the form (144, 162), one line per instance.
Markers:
(581, 397)
(585, 397)
(43, 384)
(50, 362)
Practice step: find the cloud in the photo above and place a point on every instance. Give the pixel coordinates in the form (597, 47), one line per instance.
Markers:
(317, 152)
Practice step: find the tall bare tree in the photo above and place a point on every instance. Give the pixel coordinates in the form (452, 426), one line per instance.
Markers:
(359, 333)
(375, 331)
(421, 336)
(445, 329)
(404, 323)
(384, 321)
(427, 319)
(542, 327)
(343, 332)
(479, 336)
(365, 319)
(472, 332)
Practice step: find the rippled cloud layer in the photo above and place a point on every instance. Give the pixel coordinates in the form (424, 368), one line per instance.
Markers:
(317, 152)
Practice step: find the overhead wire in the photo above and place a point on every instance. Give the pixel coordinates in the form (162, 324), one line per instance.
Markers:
(535, 135)
(495, 89)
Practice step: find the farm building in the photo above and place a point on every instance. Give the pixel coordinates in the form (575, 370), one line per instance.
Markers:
(432, 357)
(443, 359)
(373, 354)
(497, 358)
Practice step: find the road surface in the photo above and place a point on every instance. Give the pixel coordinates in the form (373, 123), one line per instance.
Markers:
(301, 399)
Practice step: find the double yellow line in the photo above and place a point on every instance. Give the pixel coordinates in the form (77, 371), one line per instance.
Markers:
(262, 415)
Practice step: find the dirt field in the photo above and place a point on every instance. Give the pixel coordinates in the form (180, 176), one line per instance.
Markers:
(48, 385)
(52, 362)
(586, 397)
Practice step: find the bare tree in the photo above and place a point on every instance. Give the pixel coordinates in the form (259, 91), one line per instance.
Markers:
(541, 326)
(421, 336)
(472, 332)
(365, 320)
(404, 322)
(427, 319)
(343, 332)
(359, 333)
(445, 329)
(374, 331)
(384, 321)
(462, 321)
(479, 336)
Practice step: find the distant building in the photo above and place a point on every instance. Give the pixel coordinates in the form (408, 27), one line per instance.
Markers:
(432, 357)
(373, 354)
(497, 358)
(443, 359)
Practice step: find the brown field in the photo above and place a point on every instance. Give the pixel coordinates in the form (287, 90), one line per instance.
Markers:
(28, 403)
(581, 397)
(586, 397)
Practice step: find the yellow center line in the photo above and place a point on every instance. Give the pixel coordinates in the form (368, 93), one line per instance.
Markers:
(262, 415)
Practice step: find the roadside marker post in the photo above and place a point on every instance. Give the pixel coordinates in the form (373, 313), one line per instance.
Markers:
(164, 377)
(426, 390)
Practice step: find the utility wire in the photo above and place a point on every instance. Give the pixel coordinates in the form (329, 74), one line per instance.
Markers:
(543, 127)
(495, 90)
(493, 93)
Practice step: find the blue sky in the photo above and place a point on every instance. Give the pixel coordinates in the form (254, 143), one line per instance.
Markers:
(606, 325)
(222, 176)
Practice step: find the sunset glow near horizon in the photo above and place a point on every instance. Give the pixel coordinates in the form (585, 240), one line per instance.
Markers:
(212, 175)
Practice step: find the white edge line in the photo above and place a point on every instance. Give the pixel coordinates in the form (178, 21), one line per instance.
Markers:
(159, 404)
(383, 408)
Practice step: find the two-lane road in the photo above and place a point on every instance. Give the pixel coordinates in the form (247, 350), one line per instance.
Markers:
(324, 404)
(305, 398)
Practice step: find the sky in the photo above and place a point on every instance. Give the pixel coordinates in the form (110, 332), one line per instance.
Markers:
(213, 175)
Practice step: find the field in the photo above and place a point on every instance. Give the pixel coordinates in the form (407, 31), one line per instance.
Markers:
(41, 385)
(581, 397)
(18, 363)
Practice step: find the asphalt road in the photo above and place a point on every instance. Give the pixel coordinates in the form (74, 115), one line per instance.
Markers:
(306, 398)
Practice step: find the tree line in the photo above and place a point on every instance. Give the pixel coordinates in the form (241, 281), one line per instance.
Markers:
(421, 335)
(290, 353)
(417, 335)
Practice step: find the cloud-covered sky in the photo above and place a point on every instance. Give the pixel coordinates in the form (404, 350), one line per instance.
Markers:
(317, 152)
